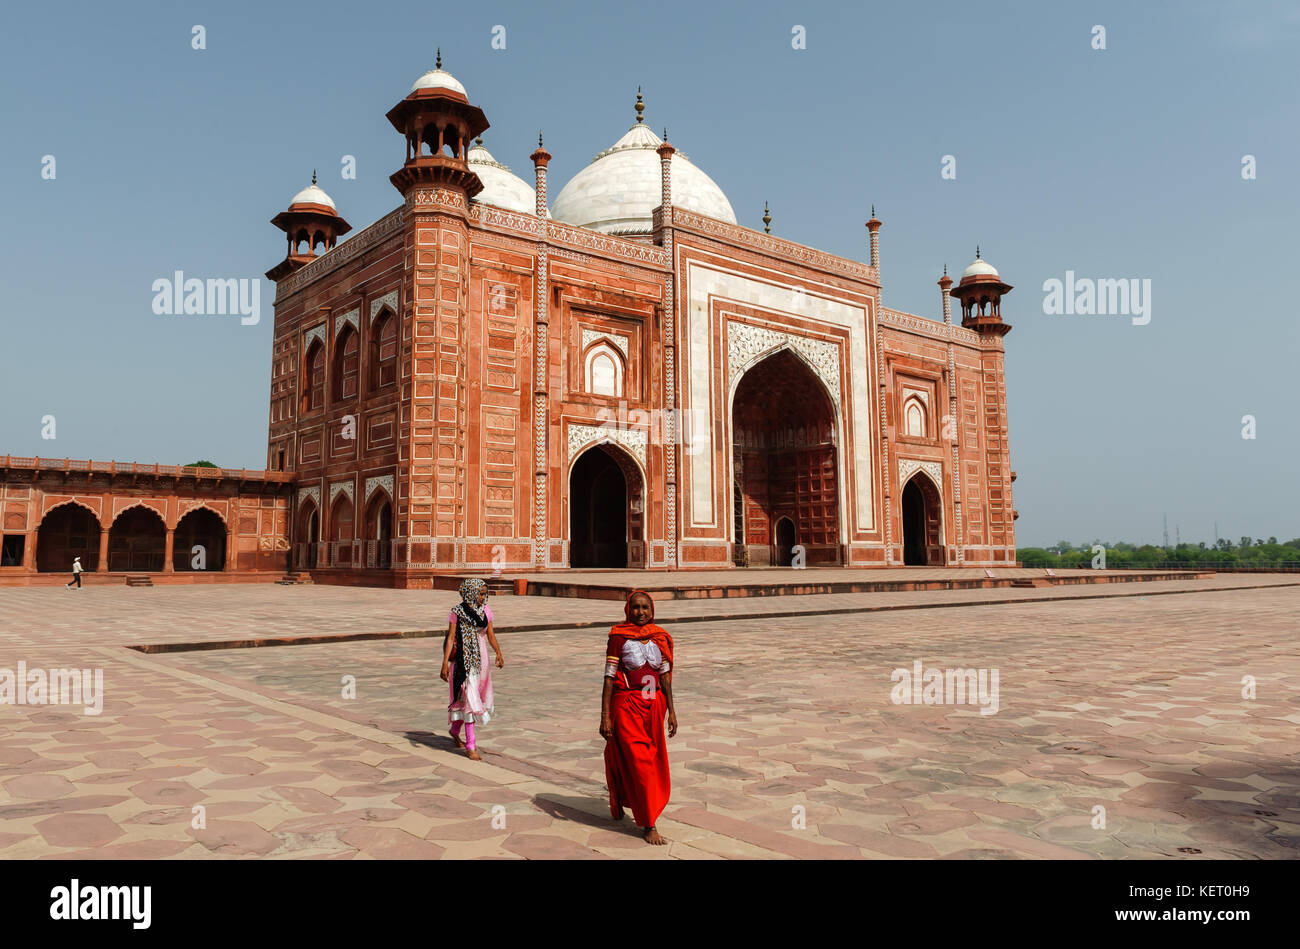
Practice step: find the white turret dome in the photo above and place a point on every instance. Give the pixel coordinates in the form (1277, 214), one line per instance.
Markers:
(979, 268)
(501, 188)
(618, 192)
(313, 195)
(438, 79)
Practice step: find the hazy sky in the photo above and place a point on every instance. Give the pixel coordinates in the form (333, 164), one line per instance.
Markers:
(1117, 163)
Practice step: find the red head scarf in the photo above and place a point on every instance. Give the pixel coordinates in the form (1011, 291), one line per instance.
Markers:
(629, 630)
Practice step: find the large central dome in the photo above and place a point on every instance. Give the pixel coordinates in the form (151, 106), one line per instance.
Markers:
(618, 192)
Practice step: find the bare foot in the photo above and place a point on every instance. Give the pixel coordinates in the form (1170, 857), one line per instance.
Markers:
(473, 755)
(652, 837)
(460, 742)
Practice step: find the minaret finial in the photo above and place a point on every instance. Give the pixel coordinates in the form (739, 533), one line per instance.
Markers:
(313, 176)
(767, 219)
(479, 141)
(438, 63)
(665, 133)
(873, 210)
(640, 106)
(977, 251)
(539, 138)
(945, 268)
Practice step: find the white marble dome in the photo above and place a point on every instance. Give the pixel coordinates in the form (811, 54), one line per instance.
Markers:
(618, 192)
(501, 188)
(438, 79)
(979, 268)
(313, 195)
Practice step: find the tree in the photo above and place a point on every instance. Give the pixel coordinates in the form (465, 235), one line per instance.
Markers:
(202, 464)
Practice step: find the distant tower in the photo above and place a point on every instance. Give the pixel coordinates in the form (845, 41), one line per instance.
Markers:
(980, 293)
(311, 221)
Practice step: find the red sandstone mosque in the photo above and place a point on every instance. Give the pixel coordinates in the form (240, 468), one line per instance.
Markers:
(488, 378)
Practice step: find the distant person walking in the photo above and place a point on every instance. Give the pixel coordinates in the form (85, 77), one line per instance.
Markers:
(638, 693)
(465, 667)
(76, 574)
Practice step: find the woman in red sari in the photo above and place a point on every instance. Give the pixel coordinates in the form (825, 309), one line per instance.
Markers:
(638, 693)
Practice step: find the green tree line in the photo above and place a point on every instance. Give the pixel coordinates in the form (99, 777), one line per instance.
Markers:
(1247, 552)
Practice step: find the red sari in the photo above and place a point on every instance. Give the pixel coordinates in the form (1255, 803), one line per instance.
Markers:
(636, 758)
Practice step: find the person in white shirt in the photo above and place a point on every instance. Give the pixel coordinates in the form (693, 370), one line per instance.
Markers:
(76, 574)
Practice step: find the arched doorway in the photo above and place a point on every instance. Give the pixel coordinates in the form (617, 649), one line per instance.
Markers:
(785, 541)
(342, 532)
(199, 528)
(137, 541)
(785, 465)
(67, 531)
(605, 507)
(308, 535)
(379, 530)
(922, 524)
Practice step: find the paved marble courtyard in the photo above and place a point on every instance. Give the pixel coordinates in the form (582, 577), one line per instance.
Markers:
(1125, 706)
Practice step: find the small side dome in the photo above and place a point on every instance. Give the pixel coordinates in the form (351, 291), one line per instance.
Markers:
(501, 188)
(979, 268)
(313, 195)
(438, 79)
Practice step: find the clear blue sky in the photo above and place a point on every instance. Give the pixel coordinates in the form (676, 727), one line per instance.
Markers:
(1123, 162)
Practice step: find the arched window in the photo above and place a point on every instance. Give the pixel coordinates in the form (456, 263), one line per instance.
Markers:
(313, 380)
(914, 418)
(383, 351)
(346, 364)
(604, 371)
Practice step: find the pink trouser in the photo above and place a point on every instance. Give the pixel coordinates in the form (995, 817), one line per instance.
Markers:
(469, 732)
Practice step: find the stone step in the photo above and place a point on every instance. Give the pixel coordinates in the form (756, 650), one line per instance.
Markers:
(138, 580)
(295, 579)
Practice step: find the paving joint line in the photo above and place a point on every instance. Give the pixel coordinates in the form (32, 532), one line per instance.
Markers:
(327, 638)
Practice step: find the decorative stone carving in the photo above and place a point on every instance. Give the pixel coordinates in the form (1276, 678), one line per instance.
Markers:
(389, 300)
(590, 336)
(746, 343)
(380, 481)
(906, 466)
(491, 216)
(438, 197)
(633, 439)
(313, 492)
(316, 332)
(605, 244)
(352, 316)
(341, 487)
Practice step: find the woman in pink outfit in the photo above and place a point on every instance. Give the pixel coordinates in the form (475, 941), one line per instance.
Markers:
(465, 667)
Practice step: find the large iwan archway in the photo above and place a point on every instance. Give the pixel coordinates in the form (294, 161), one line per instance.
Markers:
(785, 466)
(605, 510)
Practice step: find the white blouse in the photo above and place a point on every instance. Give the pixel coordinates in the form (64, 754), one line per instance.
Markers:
(637, 654)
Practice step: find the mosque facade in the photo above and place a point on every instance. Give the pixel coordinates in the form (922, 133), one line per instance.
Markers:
(621, 376)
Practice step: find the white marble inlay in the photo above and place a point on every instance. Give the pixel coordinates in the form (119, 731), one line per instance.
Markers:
(589, 336)
(380, 481)
(633, 439)
(389, 300)
(352, 316)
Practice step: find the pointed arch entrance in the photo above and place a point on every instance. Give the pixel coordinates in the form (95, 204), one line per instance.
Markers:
(308, 534)
(67, 531)
(785, 465)
(922, 523)
(379, 530)
(199, 528)
(605, 509)
(137, 541)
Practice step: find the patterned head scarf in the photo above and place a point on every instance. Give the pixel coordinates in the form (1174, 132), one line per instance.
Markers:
(469, 621)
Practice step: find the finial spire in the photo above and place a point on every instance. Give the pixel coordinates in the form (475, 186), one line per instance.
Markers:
(438, 63)
(665, 133)
(945, 268)
(767, 219)
(873, 210)
(977, 251)
(313, 176)
(640, 106)
(539, 138)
